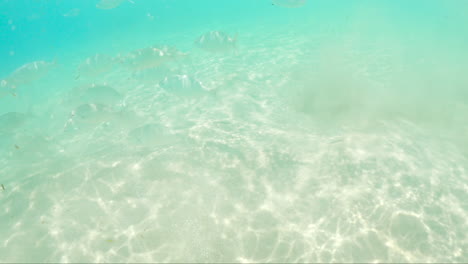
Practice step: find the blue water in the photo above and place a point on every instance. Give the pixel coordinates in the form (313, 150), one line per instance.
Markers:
(233, 131)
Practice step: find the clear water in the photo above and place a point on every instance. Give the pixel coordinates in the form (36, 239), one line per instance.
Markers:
(332, 132)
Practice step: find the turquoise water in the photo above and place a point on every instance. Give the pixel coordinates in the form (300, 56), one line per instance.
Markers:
(233, 131)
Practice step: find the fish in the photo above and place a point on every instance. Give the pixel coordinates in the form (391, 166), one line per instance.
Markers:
(72, 13)
(216, 42)
(289, 3)
(151, 57)
(182, 85)
(100, 94)
(27, 74)
(5, 90)
(152, 135)
(148, 134)
(11, 121)
(110, 4)
(90, 115)
(93, 113)
(95, 66)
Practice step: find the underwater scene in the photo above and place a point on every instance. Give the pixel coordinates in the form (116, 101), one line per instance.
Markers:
(234, 131)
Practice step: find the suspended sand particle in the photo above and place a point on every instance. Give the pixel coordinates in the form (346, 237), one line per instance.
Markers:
(28, 73)
(289, 3)
(216, 41)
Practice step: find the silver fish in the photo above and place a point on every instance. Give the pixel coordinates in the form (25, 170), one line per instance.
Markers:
(95, 66)
(72, 13)
(93, 113)
(182, 85)
(110, 4)
(11, 121)
(100, 94)
(151, 57)
(5, 90)
(216, 41)
(27, 74)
